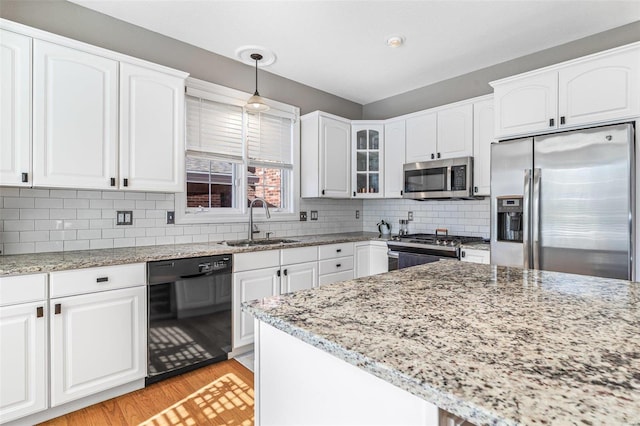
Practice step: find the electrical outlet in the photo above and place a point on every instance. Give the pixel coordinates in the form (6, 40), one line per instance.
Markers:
(303, 216)
(171, 218)
(314, 214)
(124, 217)
(410, 216)
(357, 214)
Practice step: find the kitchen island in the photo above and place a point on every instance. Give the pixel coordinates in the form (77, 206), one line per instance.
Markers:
(492, 345)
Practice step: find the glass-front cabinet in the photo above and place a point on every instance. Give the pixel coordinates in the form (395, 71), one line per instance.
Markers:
(367, 168)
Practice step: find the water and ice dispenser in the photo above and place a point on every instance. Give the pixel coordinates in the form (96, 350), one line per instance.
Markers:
(510, 219)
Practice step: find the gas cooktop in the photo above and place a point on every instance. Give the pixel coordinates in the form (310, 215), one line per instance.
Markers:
(444, 244)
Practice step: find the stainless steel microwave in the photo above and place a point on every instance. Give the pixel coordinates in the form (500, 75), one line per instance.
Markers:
(450, 178)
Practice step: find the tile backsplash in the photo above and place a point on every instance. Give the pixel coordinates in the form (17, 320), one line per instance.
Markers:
(460, 217)
(44, 220)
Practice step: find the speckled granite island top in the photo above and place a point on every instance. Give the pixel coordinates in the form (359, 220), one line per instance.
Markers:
(60, 261)
(494, 345)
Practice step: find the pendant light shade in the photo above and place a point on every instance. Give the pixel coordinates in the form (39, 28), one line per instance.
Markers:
(255, 102)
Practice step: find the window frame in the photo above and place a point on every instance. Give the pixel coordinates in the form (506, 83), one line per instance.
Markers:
(217, 93)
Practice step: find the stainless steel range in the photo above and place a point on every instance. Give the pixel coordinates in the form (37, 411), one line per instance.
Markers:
(417, 249)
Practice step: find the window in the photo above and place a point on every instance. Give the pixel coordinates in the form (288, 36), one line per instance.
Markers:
(234, 156)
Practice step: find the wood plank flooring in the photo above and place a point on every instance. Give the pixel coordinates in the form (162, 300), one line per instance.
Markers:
(219, 394)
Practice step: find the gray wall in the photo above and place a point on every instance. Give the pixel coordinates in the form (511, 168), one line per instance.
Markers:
(79, 23)
(477, 82)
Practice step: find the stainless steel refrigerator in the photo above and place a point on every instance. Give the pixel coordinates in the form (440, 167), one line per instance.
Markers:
(564, 202)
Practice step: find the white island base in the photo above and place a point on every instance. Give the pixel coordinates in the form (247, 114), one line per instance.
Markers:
(298, 384)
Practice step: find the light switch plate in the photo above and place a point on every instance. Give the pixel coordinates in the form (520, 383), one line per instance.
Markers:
(171, 218)
(124, 217)
(303, 216)
(314, 214)
(357, 214)
(410, 216)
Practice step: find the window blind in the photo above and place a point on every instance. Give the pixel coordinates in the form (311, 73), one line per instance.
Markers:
(270, 139)
(214, 128)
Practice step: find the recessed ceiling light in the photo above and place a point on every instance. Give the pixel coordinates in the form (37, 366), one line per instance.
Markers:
(395, 41)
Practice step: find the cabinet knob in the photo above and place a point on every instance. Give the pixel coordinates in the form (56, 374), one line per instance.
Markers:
(39, 312)
(285, 272)
(562, 120)
(401, 192)
(323, 192)
(125, 182)
(25, 177)
(102, 279)
(338, 265)
(475, 189)
(462, 253)
(354, 193)
(432, 156)
(438, 155)
(552, 122)
(278, 273)
(338, 250)
(113, 181)
(57, 309)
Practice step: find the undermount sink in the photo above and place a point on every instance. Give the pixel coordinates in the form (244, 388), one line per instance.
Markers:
(247, 243)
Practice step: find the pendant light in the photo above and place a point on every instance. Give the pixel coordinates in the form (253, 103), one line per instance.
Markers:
(256, 103)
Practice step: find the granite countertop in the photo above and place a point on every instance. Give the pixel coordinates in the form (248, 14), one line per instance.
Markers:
(60, 261)
(493, 345)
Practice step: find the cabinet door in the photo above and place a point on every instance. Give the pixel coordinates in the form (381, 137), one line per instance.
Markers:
(600, 89)
(367, 164)
(363, 260)
(526, 105)
(455, 132)
(335, 158)
(151, 130)
(98, 341)
(23, 356)
(378, 258)
(15, 109)
(75, 118)
(299, 277)
(394, 157)
(482, 139)
(421, 137)
(250, 285)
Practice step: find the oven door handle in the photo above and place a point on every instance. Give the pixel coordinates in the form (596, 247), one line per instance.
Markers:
(393, 254)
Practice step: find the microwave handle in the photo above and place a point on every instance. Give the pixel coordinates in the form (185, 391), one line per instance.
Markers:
(448, 179)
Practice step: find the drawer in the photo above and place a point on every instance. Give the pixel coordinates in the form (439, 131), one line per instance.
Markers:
(298, 255)
(334, 278)
(475, 256)
(330, 251)
(256, 260)
(338, 264)
(23, 289)
(91, 280)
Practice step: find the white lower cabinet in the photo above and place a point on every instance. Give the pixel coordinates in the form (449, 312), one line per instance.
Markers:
(278, 272)
(475, 256)
(335, 263)
(98, 341)
(371, 258)
(23, 346)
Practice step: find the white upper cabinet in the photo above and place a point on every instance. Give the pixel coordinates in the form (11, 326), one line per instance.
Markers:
(455, 132)
(367, 164)
(151, 130)
(394, 158)
(75, 118)
(600, 89)
(445, 132)
(590, 90)
(526, 106)
(15, 109)
(482, 139)
(421, 137)
(325, 156)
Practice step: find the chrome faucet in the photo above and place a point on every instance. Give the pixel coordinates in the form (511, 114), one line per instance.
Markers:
(266, 210)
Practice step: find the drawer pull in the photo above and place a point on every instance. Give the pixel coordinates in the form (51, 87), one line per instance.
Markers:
(338, 250)
(102, 279)
(57, 309)
(338, 265)
(39, 312)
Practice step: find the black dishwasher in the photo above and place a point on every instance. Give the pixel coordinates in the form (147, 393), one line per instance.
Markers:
(189, 311)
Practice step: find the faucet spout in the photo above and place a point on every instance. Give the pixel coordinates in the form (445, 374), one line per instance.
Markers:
(266, 211)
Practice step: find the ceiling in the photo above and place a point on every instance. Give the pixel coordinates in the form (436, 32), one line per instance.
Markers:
(340, 46)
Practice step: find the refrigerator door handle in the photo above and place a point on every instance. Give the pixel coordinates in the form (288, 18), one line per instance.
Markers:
(535, 218)
(526, 252)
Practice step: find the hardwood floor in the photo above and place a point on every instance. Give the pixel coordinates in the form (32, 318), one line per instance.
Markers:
(220, 394)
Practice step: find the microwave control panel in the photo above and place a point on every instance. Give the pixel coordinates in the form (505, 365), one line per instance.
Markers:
(458, 178)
